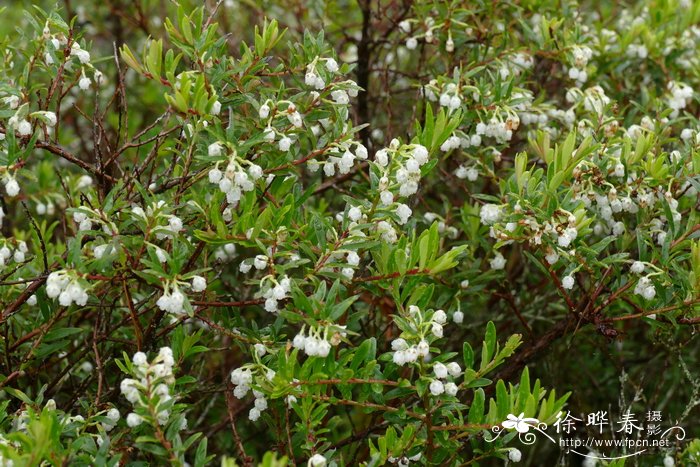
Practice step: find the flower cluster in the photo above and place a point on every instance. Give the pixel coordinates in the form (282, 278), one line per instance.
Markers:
(67, 287)
(242, 379)
(421, 329)
(172, 300)
(150, 391)
(235, 179)
(341, 157)
(113, 417)
(316, 342)
(442, 372)
(275, 291)
(18, 255)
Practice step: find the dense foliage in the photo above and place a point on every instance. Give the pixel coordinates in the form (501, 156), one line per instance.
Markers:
(345, 233)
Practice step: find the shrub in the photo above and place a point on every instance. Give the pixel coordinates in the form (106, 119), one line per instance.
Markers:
(347, 235)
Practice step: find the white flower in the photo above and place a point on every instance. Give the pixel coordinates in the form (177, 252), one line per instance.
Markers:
(12, 101)
(340, 97)
(490, 214)
(198, 284)
(113, 414)
(451, 389)
(440, 370)
(661, 238)
(669, 462)
(99, 77)
(264, 111)
(299, 341)
(260, 403)
(422, 349)
(361, 152)
(260, 349)
(637, 267)
(354, 214)
(420, 154)
(216, 108)
(399, 344)
(404, 212)
(568, 282)
(498, 262)
(317, 460)
(84, 181)
(254, 414)
(331, 65)
(11, 187)
(645, 288)
(50, 118)
(215, 175)
(64, 298)
(241, 376)
(172, 302)
(386, 197)
(285, 143)
(260, 262)
(514, 455)
(255, 171)
(83, 55)
(214, 149)
(175, 224)
(437, 388)
(310, 79)
(160, 254)
(552, 257)
(269, 135)
(84, 83)
(409, 188)
(24, 128)
(458, 317)
(133, 420)
(295, 119)
(353, 258)
(619, 170)
(454, 369)
(382, 157)
(618, 228)
(568, 236)
(453, 142)
(399, 357)
(5, 252)
(440, 317)
(241, 391)
(411, 43)
(271, 305)
(140, 359)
